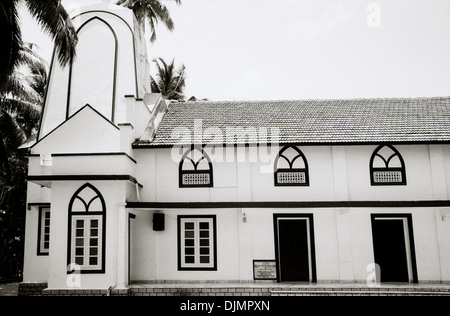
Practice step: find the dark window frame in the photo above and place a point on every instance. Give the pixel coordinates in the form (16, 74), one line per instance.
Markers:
(291, 169)
(182, 172)
(373, 169)
(42, 251)
(87, 214)
(181, 242)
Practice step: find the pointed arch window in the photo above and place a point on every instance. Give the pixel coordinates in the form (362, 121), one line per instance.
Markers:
(291, 168)
(87, 218)
(195, 169)
(387, 166)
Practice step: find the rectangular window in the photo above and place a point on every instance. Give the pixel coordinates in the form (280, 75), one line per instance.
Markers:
(197, 243)
(87, 242)
(44, 231)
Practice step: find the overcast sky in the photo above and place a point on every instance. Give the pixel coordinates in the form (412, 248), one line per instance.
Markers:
(301, 49)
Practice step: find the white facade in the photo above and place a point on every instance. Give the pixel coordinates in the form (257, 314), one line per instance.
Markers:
(103, 192)
(343, 235)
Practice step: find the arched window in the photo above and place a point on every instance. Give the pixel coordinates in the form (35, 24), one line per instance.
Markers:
(195, 169)
(87, 218)
(387, 167)
(291, 168)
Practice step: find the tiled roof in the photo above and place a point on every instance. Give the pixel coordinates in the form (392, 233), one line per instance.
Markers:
(405, 120)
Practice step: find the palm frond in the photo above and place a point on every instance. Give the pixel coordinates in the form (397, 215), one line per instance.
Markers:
(11, 39)
(55, 21)
(11, 132)
(154, 86)
(21, 86)
(21, 99)
(154, 10)
(152, 23)
(30, 58)
(160, 12)
(25, 114)
(122, 3)
(170, 82)
(180, 79)
(18, 107)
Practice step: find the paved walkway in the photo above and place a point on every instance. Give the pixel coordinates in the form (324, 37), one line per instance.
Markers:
(318, 285)
(9, 289)
(263, 289)
(287, 289)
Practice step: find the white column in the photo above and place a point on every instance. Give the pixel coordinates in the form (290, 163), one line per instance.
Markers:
(343, 223)
(339, 173)
(437, 166)
(244, 182)
(122, 247)
(245, 246)
(344, 238)
(441, 219)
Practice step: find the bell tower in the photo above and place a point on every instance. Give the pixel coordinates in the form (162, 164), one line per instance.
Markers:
(111, 63)
(93, 111)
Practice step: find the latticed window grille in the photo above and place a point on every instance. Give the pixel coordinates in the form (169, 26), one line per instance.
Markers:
(291, 168)
(195, 169)
(291, 177)
(387, 167)
(196, 179)
(387, 176)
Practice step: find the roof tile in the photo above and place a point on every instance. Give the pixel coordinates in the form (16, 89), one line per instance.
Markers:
(305, 121)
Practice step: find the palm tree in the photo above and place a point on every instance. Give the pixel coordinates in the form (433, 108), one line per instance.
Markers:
(153, 10)
(54, 20)
(20, 108)
(21, 100)
(170, 81)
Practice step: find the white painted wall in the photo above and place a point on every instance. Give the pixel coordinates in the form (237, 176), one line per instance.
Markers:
(154, 253)
(343, 244)
(83, 133)
(336, 173)
(343, 237)
(35, 267)
(82, 165)
(114, 195)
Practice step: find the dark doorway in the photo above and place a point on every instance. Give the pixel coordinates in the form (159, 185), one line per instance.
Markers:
(130, 217)
(294, 248)
(393, 247)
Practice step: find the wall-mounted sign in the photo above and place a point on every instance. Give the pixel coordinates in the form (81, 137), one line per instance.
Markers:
(264, 270)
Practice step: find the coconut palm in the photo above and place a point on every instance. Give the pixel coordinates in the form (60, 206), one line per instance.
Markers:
(20, 107)
(21, 100)
(170, 82)
(53, 19)
(153, 10)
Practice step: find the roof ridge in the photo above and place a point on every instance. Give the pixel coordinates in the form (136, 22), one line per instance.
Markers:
(313, 100)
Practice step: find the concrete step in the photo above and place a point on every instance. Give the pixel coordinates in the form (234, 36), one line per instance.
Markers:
(351, 291)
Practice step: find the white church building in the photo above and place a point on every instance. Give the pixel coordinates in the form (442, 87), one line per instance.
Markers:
(127, 188)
